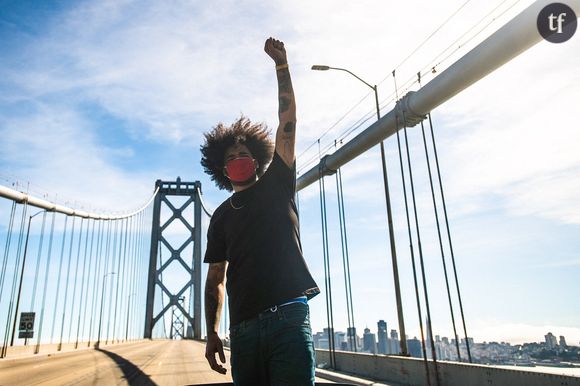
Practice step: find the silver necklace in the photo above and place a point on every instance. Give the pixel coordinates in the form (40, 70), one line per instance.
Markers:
(235, 207)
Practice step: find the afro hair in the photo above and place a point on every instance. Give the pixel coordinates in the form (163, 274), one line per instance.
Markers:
(255, 136)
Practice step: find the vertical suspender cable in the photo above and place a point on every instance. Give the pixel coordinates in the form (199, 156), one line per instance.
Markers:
(38, 259)
(112, 281)
(119, 273)
(134, 274)
(18, 297)
(67, 283)
(124, 286)
(119, 303)
(58, 280)
(86, 269)
(139, 255)
(46, 271)
(76, 273)
(143, 266)
(96, 276)
(132, 270)
(14, 280)
(449, 239)
(7, 247)
(415, 281)
(345, 262)
(421, 260)
(126, 291)
(5, 262)
(327, 281)
(436, 212)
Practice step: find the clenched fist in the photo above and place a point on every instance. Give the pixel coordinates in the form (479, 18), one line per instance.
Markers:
(275, 49)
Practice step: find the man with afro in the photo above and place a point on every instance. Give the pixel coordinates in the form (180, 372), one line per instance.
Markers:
(253, 239)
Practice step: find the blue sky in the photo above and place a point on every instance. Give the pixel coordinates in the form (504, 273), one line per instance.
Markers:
(100, 99)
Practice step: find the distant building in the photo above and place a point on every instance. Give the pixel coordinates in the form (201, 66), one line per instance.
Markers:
(563, 342)
(414, 346)
(369, 342)
(352, 339)
(339, 339)
(551, 342)
(394, 344)
(382, 347)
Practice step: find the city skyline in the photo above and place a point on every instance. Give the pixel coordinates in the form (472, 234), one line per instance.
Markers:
(445, 348)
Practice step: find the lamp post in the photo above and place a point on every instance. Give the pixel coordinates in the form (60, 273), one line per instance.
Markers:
(21, 278)
(403, 340)
(128, 311)
(101, 312)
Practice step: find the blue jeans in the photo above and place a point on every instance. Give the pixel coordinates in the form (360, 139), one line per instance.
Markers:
(274, 349)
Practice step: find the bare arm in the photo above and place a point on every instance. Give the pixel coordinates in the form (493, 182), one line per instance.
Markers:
(286, 132)
(214, 300)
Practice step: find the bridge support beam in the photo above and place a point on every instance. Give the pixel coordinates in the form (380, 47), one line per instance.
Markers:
(192, 313)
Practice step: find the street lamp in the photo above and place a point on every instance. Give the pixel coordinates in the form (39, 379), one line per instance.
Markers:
(101, 312)
(128, 311)
(319, 67)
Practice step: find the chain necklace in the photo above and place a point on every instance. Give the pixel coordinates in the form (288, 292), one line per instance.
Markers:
(235, 207)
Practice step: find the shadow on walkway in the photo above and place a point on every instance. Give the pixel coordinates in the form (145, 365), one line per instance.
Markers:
(132, 374)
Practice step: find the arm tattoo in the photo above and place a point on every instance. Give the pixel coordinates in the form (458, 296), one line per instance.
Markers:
(284, 103)
(284, 83)
(289, 128)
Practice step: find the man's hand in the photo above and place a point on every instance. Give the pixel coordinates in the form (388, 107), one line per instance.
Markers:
(214, 345)
(275, 49)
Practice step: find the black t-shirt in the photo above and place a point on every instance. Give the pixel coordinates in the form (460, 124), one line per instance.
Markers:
(256, 231)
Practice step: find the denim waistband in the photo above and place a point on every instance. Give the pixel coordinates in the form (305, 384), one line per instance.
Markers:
(300, 299)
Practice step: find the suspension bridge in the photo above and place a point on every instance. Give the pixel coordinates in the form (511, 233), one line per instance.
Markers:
(90, 298)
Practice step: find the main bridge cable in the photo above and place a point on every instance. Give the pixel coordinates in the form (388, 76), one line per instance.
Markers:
(411, 81)
(21, 197)
(439, 230)
(415, 281)
(327, 281)
(356, 125)
(449, 239)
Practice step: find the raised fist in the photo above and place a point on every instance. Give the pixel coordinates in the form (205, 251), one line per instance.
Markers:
(275, 49)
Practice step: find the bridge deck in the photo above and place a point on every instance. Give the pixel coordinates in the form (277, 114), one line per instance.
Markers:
(158, 362)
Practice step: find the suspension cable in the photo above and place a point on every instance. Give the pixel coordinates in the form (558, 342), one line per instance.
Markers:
(421, 259)
(14, 281)
(67, 283)
(38, 259)
(439, 233)
(74, 287)
(58, 280)
(415, 281)
(345, 261)
(449, 239)
(112, 281)
(46, 271)
(126, 293)
(7, 247)
(95, 286)
(327, 281)
(86, 269)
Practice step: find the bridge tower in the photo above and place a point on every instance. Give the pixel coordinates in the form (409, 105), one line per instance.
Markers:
(192, 264)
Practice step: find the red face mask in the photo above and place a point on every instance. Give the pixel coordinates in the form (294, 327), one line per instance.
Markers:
(241, 169)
